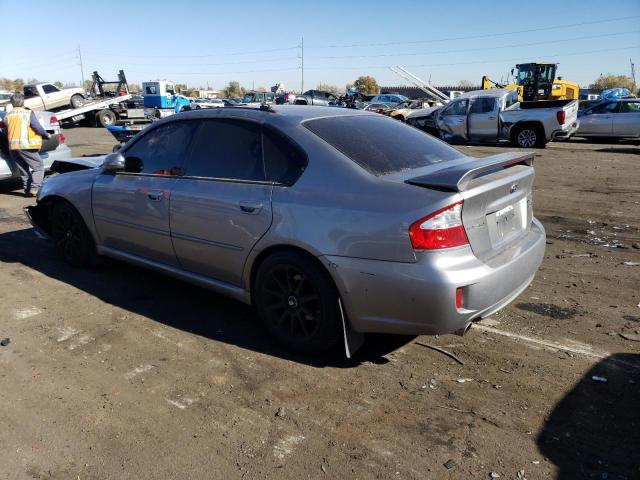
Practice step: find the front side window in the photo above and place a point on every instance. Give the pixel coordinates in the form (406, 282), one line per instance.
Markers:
(228, 149)
(456, 108)
(630, 107)
(161, 151)
(50, 89)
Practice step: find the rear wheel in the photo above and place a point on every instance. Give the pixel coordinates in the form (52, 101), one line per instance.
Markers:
(77, 101)
(298, 302)
(105, 118)
(529, 136)
(71, 236)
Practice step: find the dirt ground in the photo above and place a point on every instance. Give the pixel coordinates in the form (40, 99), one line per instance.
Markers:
(120, 373)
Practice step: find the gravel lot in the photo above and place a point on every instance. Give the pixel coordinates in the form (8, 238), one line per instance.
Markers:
(122, 373)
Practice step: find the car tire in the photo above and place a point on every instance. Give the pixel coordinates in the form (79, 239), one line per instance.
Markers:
(529, 136)
(71, 236)
(77, 101)
(297, 302)
(105, 118)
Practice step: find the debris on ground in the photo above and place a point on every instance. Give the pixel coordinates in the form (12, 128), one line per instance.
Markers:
(596, 378)
(636, 245)
(630, 336)
(449, 464)
(464, 380)
(444, 352)
(5, 341)
(281, 412)
(494, 475)
(631, 264)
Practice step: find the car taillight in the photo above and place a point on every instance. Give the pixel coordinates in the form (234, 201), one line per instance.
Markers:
(441, 229)
(459, 297)
(53, 121)
(561, 116)
(61, 137)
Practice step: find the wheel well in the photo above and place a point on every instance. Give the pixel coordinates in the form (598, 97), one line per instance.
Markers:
(262, 256)
(520, 125)
(41, 218)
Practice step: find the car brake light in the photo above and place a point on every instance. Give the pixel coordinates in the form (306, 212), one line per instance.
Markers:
(61, 137)
(441, 229)
(459, 297)
(561, 116)
(53, 120)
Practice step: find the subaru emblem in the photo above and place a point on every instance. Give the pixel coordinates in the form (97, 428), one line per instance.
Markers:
(513, 188)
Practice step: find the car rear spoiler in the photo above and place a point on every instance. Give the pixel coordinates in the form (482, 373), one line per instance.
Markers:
(457, 177)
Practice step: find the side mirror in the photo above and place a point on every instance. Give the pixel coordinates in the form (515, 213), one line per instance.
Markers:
(113, 162)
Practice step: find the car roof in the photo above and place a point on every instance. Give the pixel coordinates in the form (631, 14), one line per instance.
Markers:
(492, 92)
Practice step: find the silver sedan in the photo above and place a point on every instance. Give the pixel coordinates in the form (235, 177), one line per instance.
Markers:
(331, 222)
(611, 119)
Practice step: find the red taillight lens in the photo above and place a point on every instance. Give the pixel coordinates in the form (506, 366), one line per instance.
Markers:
(62, 138)
(53, 120)
(441, 229)
(561, 116)
(459, 297)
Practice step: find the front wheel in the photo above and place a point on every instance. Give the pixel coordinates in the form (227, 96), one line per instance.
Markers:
(71, 236)
(106, 118)
(529, 136)
(77, 101)
(298, 302)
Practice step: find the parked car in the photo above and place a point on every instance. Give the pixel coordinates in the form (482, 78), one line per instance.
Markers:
(389, 98)
(316, 97)
(46, 96)
(5, 96)
(230, 102)
(255, 99)
(199, 103)
(404, 109)
(52, 149)
(490, 116)
(285, 98)
(288, 209)
(615, 119)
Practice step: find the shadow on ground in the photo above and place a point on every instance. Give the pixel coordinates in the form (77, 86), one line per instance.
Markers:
(594, 431)
(175, 303)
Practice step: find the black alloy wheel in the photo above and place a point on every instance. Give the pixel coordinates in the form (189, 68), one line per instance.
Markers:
(70, 235)
(298, 303)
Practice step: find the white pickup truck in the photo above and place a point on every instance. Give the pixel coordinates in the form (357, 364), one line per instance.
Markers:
(496, 115)
(46, 96)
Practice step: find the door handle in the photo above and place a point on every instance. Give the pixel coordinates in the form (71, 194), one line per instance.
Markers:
(250, 207)
(155, 196)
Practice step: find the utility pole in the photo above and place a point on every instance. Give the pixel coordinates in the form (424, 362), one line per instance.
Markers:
(633, 72)
(302, 64)
(81, 67)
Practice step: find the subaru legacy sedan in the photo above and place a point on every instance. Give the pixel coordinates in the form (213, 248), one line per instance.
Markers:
(330, 222)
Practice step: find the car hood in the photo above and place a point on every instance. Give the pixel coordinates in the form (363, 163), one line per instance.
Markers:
(423, 112)
(87, 162)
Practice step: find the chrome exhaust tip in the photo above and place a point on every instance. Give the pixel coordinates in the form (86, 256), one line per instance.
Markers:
(462, 332)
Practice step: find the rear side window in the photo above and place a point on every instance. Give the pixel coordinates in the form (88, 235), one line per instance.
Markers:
(483, 105)
(227, 148)
(630, 107)
(381, 145)
(283, 160)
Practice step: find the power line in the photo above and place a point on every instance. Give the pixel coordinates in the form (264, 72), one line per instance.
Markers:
(197, 56)
(485, 35)
(267, 60)
(175, 73)
(556, 55)
(442, 52)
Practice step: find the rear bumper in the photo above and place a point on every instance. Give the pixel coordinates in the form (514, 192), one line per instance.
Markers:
(568, 133)
(419, 298)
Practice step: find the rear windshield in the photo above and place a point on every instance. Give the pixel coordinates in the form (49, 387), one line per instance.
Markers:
(381, 145)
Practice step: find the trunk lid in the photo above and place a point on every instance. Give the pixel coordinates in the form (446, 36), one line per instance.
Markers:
(497, 209)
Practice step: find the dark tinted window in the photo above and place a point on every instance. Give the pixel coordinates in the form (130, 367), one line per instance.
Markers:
(284, 161)
(483, 105)
(630, 107)
(224, 148)
(161, 151)
(610, 107)
(49, 89)
(381, 145)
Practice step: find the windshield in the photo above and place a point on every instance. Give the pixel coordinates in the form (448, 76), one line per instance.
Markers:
(525, 74)
(249, 98)
(381, 145)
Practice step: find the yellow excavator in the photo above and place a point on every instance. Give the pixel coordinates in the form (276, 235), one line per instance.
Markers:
(537, 81)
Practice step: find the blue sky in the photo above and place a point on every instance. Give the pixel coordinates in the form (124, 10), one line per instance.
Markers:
(257, 43)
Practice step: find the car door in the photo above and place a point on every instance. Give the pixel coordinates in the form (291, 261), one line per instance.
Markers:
(452, 121)
(53, 97)
(222, 205)
(626, 123)
(598, 121)
(483, 119)
(131, 207)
